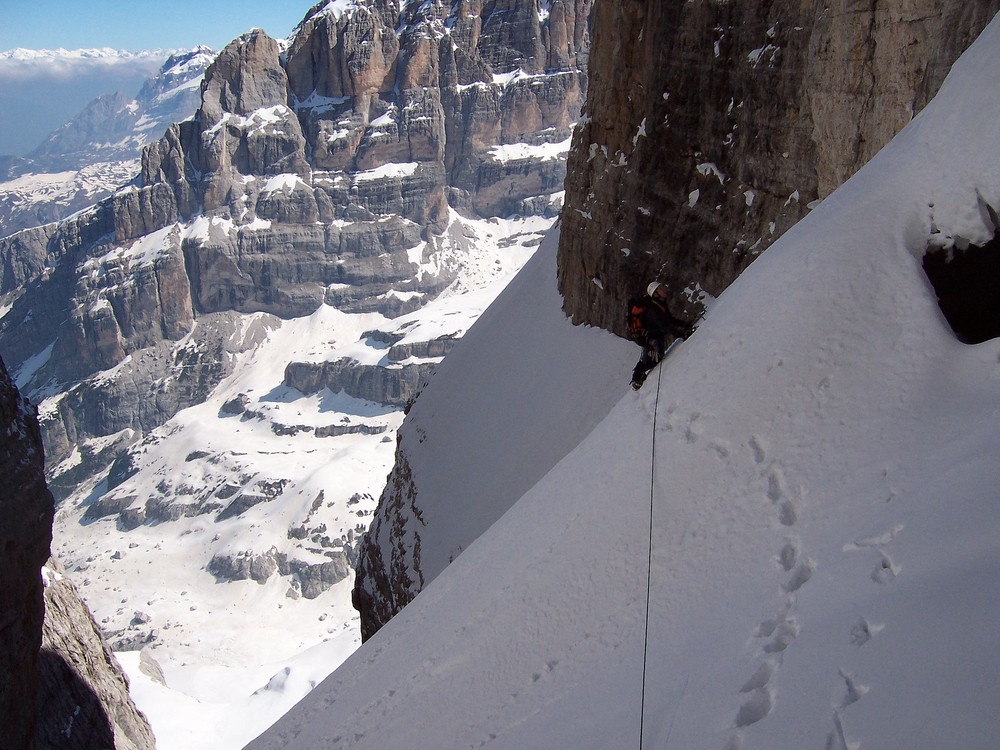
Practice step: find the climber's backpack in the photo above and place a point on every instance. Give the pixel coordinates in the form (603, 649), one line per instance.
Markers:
(635, 328)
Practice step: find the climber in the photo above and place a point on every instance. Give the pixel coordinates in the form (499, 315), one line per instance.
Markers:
(649, 324)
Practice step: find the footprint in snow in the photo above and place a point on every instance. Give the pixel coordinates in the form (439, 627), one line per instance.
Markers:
(695, 428)
(800, 576)
(781, 636)
(775, 483)
(853, 692)
(837, 739)
(789, 554)
(668, 418)
(759, 449)
(863, 631)
(549, 667)
(886, 570)
(760, 678)
(721, 447)
(788, 513)
(758, 705)
(875, 541)
(777, 493)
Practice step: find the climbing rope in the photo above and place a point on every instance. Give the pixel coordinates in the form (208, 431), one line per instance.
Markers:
(649, 557)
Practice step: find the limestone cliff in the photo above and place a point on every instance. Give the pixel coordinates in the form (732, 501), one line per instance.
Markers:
(710, 127)
(317, 171)
(83, 699)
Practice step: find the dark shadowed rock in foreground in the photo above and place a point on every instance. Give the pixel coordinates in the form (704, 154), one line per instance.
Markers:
(26, 510)
(83, 699)
(61, 688)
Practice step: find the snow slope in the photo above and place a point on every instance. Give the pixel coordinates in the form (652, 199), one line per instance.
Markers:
(821, 460)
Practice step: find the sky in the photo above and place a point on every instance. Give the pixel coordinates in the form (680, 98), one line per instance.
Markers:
(143, 24)
(38, 97)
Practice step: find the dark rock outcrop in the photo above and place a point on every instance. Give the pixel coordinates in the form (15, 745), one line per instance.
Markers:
(438, 347)
(384, 586)
(26, 509)
(83, 701)
(62, 687)
(396, 385)
(711, 127)
(311, 579)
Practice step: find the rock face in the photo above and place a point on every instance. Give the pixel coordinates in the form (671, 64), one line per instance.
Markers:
(311, 579)
(83, 700)
(319, 173)
(711, 127)
(396, 386)
(331, 170)
(62, 687)
(384, 586)
(26, 510)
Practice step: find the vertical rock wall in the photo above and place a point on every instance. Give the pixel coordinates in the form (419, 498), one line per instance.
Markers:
(711, 126)
(26, 510)
(61, 687)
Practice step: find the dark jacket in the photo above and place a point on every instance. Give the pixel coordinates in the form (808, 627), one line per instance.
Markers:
(660, 323)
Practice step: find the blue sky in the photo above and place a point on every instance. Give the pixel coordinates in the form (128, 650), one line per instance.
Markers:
(142, 24)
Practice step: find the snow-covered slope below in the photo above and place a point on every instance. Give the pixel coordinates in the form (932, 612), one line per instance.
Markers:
(818, 464)
(511, 402)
